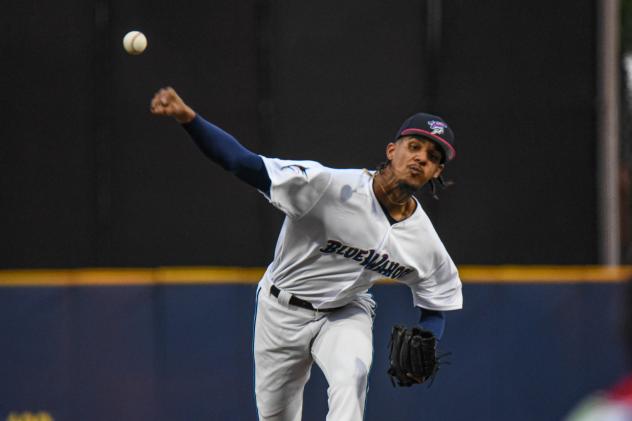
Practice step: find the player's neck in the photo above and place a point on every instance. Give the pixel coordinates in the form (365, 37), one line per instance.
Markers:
(392, 196)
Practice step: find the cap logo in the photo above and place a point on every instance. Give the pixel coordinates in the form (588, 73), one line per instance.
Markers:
(437, 127)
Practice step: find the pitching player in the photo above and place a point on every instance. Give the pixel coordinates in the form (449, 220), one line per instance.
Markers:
(344, 230)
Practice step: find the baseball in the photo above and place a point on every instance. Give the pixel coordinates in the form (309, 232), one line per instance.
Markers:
(134, 42)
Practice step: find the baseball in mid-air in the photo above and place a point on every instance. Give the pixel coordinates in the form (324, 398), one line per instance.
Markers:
(134, 42)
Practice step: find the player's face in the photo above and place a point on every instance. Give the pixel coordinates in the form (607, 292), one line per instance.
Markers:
(414, 160)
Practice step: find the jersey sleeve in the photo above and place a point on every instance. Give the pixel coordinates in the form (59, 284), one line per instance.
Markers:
(295, 186)
(442, 290)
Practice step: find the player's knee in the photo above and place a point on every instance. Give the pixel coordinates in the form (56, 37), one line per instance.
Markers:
(354, 376)
(284, 408)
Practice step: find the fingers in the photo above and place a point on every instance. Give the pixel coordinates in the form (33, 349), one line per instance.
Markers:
(155, 102)
(164, 102)
(166, 96)
(167, 102)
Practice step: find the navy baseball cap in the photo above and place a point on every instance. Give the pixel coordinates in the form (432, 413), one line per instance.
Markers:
(433, 128)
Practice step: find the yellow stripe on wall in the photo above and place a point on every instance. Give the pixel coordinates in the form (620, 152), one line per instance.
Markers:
(240, 275)
(545, 274)
(133, 276)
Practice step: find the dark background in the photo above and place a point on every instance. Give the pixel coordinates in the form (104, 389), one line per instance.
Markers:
(89, 178)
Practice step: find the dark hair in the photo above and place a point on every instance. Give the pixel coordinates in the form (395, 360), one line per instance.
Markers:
(434, 182)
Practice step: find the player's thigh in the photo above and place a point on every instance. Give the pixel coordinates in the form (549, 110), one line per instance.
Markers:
(343, 348)
(282, 334)
(282, 354)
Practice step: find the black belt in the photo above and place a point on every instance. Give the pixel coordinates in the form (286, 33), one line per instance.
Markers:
(295, 301)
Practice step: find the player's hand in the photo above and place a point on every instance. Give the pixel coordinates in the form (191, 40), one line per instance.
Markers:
(167, 102)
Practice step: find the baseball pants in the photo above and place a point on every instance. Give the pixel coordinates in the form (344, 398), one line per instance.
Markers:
(288, 339)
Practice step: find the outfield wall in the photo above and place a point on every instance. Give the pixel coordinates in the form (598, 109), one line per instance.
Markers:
(94, 345)
(90, 178)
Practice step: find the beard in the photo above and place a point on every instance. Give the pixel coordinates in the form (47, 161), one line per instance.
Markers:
(403, 188)
(407, 188)
(400, 185)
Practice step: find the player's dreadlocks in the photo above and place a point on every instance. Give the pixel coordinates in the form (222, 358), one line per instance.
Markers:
(435, 183)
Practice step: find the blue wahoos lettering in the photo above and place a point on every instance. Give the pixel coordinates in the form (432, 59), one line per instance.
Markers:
(368, 258)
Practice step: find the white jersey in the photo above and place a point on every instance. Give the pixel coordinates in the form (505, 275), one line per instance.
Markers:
(336, 240)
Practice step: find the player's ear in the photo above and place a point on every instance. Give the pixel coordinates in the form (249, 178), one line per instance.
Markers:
(438, 171)
(390, 151)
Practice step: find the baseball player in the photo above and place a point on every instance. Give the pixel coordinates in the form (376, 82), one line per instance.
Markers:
(344, 230)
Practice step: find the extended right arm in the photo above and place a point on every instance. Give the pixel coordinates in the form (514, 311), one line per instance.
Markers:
(216, 144)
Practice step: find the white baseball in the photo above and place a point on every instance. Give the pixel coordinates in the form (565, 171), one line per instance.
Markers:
(134, 42)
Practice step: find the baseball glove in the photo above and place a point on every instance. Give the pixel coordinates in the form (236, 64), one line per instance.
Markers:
(413, 356)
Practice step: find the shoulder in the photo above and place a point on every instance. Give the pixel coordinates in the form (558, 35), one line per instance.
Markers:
(351, 173)
(422, 220)
(342, 172)
(422, 227)
(286, 169)
(312, 169)
(294, 164)
(352, 176)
